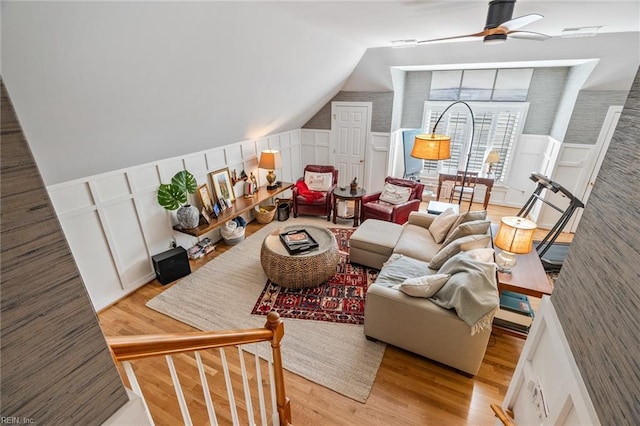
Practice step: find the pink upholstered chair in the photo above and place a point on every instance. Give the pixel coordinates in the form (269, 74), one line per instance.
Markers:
(375, 208)
(320, 203)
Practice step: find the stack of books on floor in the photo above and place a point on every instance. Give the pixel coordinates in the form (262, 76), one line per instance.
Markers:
(201, 248)
(515, 312)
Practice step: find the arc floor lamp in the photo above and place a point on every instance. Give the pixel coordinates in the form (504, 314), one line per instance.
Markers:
(438, 147)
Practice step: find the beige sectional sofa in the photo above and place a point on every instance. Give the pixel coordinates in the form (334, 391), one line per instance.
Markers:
(423, 325)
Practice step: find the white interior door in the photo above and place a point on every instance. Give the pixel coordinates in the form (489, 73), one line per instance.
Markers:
(350, 128)
(602, 145)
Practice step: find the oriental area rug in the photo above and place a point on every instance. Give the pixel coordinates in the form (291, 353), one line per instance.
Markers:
(340, 299)
(222, 294)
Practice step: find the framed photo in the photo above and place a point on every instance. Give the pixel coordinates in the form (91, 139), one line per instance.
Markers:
(205, 197)
(222, 185)
(205, 215)
(216, 210)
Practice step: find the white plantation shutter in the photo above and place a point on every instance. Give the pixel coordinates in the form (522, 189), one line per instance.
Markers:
(497, 126)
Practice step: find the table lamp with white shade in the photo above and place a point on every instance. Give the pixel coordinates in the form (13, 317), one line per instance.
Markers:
(515, 236)
(270, 160)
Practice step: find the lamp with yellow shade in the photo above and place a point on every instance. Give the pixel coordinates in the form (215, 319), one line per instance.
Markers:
(493, 157)
(515, 236)
(438, 147)
(270, 160)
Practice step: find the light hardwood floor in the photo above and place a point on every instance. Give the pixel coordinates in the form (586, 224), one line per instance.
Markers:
(408, 390)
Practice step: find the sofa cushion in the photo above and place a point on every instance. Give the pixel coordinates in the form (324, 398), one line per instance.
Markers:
(318, 181)
(461, 244)
(467, 217)
(395, 194)
(376, 236)
(441, 225)
(424, 286)
(471, 290)
(417, 242)
(399, 268)
(474, 227)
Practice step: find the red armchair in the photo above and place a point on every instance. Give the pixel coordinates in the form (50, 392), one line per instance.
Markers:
(310, 202)
(375, 208)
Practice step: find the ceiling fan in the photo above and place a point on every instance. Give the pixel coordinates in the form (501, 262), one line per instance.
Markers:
(500, 23)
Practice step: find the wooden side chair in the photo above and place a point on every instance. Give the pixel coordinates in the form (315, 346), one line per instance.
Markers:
(468, 190)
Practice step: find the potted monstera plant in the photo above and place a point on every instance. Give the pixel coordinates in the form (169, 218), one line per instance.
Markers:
(173, 196)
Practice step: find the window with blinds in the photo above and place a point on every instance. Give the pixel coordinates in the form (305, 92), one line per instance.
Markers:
(497, 127)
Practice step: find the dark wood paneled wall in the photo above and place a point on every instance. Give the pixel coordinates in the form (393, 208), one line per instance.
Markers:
(56, 366)
(597, 294)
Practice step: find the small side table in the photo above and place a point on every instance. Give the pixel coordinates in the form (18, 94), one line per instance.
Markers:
(437, 207)
(348, 195)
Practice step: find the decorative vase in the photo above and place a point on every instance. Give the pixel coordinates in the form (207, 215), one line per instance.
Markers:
(188, 216)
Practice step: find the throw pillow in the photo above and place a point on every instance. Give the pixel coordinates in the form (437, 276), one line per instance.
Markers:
(441, 225)
(394, 194)
(467, 217)
(474, 227)
(446, 252)
(424, 286)
(481, 254)
(318, 181)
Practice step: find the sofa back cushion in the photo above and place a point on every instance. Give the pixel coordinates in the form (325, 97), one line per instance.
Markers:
(440, 226)
(467, 228)
(467, 217)
(461, 244)
(417, 242)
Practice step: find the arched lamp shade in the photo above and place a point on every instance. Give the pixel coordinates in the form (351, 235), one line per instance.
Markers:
(432, 147)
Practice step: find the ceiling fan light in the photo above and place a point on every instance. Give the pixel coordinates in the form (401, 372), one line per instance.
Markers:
(495, 39)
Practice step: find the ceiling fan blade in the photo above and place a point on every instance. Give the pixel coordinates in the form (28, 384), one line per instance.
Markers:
(529, 35)
(521, 21)
(466, 36)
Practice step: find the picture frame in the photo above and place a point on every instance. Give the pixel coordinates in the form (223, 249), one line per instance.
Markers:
(216, 210)
(222, 184)
(205, 197)
(205, 215)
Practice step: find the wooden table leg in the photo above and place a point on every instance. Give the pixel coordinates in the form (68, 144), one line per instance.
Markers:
(335, 209)
(356, 212)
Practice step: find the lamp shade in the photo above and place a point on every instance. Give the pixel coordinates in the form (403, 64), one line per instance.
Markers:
(270, 160)
(432, 147)
(493, 157)
(515, 235)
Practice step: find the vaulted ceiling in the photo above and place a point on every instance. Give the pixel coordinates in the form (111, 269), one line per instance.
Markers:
(100, 86)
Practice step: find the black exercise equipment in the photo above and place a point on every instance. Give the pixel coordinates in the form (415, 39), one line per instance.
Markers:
(551, 254)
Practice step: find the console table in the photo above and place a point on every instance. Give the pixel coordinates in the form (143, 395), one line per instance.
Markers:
(240, 205)
(486, 181)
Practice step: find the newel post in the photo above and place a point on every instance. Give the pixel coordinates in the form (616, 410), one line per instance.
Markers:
(275, 324)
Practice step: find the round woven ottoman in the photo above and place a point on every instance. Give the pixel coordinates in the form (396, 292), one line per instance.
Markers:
(309, 269)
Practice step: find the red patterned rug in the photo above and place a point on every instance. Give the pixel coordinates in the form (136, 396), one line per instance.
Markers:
(340, 299)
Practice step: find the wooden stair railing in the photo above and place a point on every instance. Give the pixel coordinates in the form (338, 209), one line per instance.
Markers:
(505, 416)
(127, 348)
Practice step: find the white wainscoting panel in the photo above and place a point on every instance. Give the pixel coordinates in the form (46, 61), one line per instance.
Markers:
(377, 162)
(127, 240)
(527, 158)
(316, 146)
(71, 197)
(572, 167)
(114, 224)
(546, 387)
(93, 256)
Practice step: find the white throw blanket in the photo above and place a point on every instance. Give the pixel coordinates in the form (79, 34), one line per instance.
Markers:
(472, 291)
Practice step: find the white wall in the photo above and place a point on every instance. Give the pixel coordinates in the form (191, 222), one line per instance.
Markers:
(114, 224)
(118, 84)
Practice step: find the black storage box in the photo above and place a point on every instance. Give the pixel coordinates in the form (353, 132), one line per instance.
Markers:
(171, 265)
